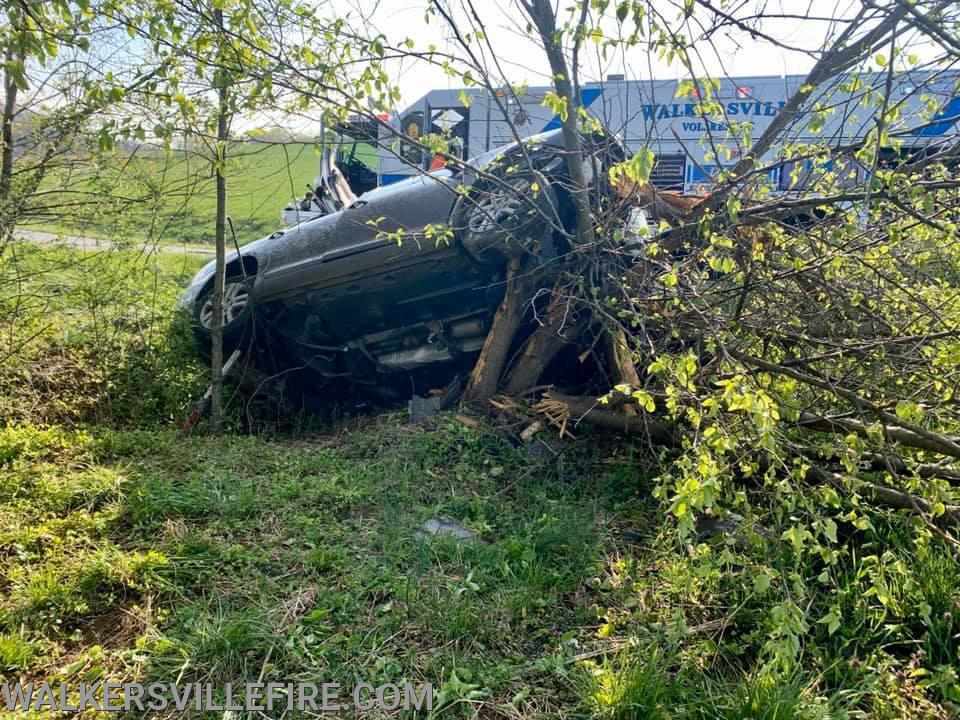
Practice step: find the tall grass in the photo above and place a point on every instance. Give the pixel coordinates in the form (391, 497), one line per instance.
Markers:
(93, 337)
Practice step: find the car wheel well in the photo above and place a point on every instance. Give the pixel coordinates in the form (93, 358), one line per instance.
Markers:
(246, 266)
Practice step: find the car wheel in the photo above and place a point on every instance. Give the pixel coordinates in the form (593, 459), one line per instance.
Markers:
(237, 310)
(508, 217)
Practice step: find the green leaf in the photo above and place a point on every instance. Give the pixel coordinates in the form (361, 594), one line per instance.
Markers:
(908, 411)
(637, 168)
(830, 530)
(315, 616)
(797, 537)
(831, 620)
(644, 400)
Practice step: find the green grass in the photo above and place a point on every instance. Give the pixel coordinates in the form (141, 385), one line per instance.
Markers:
(92, 337)
(170, 198)
(132, 555)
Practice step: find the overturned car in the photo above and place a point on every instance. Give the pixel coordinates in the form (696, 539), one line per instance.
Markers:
(402, 278)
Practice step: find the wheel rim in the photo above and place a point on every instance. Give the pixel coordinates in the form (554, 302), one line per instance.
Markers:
(496, 206)
(236, 297)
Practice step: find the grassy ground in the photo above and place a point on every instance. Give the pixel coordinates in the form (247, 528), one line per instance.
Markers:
(133, 556)
(91, 337)
(129, 554)
(177, 193)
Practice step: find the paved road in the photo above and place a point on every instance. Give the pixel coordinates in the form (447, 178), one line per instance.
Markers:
(87, 243)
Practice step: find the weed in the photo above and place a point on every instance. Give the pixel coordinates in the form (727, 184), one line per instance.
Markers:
(633, 685)
(17, 653)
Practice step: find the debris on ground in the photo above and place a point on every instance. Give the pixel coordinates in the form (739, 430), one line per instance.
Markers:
(446, 528)
(467, 420)
(422, 408)
(532, 429)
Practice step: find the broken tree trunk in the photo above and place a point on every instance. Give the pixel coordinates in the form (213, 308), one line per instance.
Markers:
(557, 406)
(561, 327)
(485, 377)
(621, 359)
(669, 205)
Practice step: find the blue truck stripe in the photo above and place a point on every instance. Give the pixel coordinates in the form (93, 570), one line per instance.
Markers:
(950, 113)
(587, 96)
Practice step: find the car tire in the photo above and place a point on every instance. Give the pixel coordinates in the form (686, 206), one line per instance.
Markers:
(237, 312)
(508, 217)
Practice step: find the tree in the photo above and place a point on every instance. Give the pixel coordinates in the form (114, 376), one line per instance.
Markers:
(787, 352)
(223, 61)
(566, 83)
(44, 45)
(216, 337)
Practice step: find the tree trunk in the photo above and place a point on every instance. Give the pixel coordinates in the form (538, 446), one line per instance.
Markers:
(541, 13)
(562, 408)
(6, 135)
(220, 231)
(621, 359)
(557, 332)
(485, 377)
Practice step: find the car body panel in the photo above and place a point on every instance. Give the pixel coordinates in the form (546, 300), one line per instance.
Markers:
(327, 250)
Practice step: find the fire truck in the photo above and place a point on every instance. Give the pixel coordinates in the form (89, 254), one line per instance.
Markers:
(694, 128)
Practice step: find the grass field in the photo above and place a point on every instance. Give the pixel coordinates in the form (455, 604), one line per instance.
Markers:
(178, 196)
(132, 555)
(91, 337)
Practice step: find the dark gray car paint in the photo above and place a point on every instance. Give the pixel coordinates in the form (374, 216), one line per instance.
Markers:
(326, 251)
(285, 255)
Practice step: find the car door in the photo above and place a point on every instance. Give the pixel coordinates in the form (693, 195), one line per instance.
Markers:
(395, 262)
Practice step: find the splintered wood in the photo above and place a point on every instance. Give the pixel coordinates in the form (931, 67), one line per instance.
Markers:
(557, 414)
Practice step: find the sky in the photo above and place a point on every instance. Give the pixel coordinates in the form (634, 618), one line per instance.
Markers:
(803, 25)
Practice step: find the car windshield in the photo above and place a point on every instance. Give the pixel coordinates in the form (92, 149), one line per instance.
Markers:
(356, 150)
